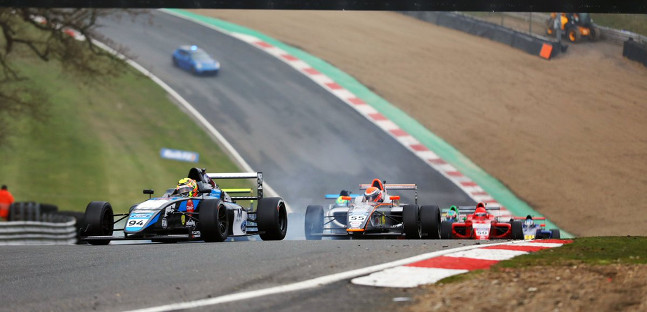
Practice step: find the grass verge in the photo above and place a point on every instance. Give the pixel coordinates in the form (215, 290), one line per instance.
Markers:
(583, 250)
(101, 142)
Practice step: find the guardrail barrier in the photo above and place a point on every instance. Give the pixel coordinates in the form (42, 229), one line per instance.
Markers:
(529, 43)
(33, 223)
(635, 51)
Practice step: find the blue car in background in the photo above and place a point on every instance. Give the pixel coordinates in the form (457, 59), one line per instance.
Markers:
(195, 60)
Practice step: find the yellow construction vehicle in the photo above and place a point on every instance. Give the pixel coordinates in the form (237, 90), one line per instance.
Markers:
(573, 26)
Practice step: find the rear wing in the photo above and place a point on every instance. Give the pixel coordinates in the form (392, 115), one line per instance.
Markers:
(335, 196)
(468, 209)
(534, 218)
(396, 187)
(242, 175)
(237, 190)
(543, 225)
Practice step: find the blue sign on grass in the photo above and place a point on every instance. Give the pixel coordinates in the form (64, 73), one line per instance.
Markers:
(179, 155)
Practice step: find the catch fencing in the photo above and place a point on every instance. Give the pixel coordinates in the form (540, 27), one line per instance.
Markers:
(529, 43)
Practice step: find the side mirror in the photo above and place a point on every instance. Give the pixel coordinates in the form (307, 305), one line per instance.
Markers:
(149, 193)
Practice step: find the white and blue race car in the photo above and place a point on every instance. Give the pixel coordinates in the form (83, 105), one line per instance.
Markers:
(211, 216)
(361, 218)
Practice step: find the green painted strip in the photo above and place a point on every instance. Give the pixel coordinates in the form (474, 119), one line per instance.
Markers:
(447, 152)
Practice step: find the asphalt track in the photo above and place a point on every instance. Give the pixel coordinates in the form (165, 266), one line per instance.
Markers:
(124, 277)
(306, 141)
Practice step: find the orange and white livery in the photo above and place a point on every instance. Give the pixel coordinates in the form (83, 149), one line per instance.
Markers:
(375, 213)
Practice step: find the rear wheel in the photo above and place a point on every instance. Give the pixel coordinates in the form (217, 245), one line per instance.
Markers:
(214, 221)
(272, 218)
(430, 221)
(594, 34)
(555, 233)
(314, 222)
(517, 229)
(411, 222)
(99, 221)
(445, 230)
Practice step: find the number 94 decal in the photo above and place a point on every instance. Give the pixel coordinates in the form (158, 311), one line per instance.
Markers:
(136, 223)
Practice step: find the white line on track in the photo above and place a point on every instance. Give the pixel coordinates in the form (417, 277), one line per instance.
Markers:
(195, 114)
(311, 283)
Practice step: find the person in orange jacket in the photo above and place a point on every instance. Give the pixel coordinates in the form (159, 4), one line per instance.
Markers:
(6, 199)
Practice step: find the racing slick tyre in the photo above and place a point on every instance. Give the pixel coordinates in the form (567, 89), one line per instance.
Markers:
(272, 218)
(517, 229)
(411, 221)
(214, 220)
(99, 221)
(430, 221)
(445, 230)
(555, 233)
(314, 222)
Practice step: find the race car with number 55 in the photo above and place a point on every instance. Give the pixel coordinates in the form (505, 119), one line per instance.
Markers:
(376, 213)
(201, 211)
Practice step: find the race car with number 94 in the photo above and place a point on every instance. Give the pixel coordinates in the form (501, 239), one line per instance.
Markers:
(197, 209)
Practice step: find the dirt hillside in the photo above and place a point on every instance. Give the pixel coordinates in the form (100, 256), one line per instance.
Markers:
(569, 135)
(612, 287)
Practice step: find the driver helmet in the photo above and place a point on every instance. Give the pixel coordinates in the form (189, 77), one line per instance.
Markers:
(340, 201)
(187, 188)
(529, 222)
(480, 212)
(452, 213)
(373, 194)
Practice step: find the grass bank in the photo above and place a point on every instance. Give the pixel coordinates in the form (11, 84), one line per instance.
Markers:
(101, 142)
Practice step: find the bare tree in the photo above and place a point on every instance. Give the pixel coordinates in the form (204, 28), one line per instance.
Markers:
(65, 35)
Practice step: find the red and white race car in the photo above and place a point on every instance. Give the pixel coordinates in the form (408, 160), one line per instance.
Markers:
(479, 223)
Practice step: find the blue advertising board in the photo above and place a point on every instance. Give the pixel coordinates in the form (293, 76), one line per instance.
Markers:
(179, 155)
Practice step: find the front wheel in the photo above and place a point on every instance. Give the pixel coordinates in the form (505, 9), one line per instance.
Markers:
(314, 222)
(517, 229)
(445, 229)
(214, 220)
(555, 233)
(272, 218)
(99, 221)
(411, 222)
(430, 221)
(573, 34)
